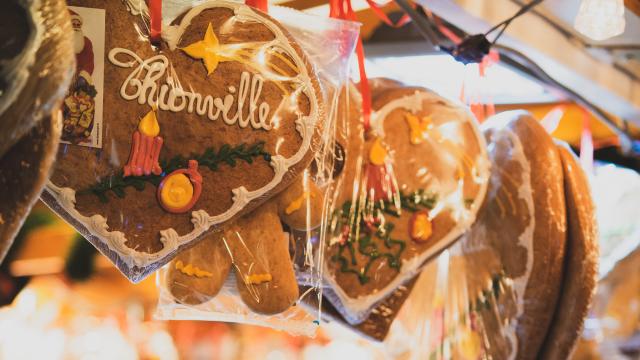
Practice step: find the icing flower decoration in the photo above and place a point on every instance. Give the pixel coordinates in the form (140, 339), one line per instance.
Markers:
(179, 191)
(208, 50)
(420, 227)
(418, 127)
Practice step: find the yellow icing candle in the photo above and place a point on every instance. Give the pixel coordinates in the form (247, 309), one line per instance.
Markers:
(149, 126)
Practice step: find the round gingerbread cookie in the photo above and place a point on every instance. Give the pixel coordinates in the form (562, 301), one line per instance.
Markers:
(415, 185)
(517, 245)
(221, 115)
(581, 261)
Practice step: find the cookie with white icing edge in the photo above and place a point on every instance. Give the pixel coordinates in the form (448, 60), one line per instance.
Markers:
(512, 258)
(424, 165)
(581, 261)
(256, 247)
(228, 88)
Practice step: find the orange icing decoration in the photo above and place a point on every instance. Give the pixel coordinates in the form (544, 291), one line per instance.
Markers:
(470, 344)
(418, 126)
(377, 153)
(179, 191)
(207, 49)
(192, 270)
(257, 278)
(145, 148)
(420, 227)
(296, 204)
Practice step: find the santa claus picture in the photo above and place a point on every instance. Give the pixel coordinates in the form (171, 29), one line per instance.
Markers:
(79, 108)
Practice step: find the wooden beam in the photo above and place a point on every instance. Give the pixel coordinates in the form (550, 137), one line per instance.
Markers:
(633, 6)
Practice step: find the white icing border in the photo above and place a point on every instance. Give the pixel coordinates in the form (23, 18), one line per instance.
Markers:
(355, 310)
(17, 70)
(202, 221)
(526, 239)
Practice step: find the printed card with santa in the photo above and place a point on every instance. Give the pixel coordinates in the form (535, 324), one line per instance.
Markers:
(198, 128)
(82, 107)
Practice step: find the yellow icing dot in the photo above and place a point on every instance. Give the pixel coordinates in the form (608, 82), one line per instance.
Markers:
(470, 344)
(149, 124)
(177, 191)
(207, 49)
(377, 154)
(191, 270)
(296, 204)
(257, 278)
(421, 228)
(418, 127)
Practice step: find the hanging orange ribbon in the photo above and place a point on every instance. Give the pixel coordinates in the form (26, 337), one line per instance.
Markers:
(341, 9)
(155, 16)
(261, 5)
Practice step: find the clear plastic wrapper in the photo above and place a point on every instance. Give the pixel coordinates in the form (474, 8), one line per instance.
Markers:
(261, 266)
(165, 143)
(36, 58)
(518, 284)
(411, 183)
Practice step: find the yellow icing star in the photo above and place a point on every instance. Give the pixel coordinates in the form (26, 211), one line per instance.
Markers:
(418, 126)
(207, 49)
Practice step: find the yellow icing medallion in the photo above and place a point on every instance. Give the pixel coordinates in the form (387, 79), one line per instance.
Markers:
(177, 191)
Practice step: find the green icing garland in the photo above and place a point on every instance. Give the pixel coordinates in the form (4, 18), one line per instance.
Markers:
(360, 237)
(210, 158)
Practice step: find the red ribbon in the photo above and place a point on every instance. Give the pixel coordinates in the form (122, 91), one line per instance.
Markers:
(155, 15)
(261, 5)
(342, 9)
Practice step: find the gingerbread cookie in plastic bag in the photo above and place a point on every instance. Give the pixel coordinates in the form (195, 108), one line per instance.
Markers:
(410, 186)
(197, 131)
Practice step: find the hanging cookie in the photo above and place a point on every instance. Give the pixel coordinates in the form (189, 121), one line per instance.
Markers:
(411, 185)
(185, 136)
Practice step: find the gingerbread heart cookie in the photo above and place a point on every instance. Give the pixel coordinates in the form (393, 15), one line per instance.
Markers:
(410, 187)
(195, 132)
(256, 246)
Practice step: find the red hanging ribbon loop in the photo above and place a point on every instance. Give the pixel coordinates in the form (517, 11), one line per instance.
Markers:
(261, 5)
(155, 15)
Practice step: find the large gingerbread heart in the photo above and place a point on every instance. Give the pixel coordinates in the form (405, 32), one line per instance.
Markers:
(408, 190)
(216, 119)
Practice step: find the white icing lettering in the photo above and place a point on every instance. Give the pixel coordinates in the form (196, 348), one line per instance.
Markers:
(143, 84)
